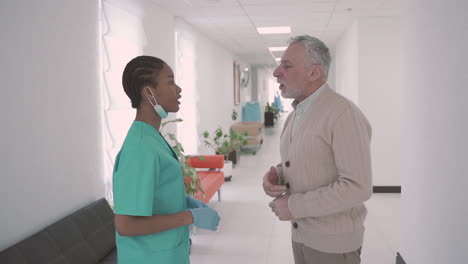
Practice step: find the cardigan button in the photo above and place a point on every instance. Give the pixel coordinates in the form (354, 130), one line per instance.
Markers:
(295, 225)
(287, 164)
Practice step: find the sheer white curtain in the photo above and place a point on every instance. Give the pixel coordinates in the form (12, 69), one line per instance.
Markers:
(130, 29)
(122, 39)
(186, 76)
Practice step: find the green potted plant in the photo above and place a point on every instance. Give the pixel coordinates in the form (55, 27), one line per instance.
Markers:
(191, 180)
(225, 144)
(234, 155)
(234, 115)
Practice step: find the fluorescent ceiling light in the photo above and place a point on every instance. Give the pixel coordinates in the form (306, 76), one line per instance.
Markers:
(277, 48)
(274, 30)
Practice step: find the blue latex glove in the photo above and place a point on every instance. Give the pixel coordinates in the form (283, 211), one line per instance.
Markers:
(194, 202)
(206, 218)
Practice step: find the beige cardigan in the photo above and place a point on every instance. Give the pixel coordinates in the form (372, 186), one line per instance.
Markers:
(327, 169)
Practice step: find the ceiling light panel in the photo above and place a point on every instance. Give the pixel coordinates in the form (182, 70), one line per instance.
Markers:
(274, 30)
(175, 4)
(282, 48)
(291, 2)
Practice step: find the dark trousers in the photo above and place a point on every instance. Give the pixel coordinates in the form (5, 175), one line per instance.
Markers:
(307, 255)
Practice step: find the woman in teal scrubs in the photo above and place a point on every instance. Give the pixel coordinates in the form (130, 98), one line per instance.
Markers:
(152, 210)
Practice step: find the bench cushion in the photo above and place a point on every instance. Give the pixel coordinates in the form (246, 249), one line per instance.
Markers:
(86, 236)
(207, 161)
(211, 182)
(111, 258)
(251, 128)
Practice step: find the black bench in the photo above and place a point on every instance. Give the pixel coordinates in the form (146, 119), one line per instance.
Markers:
(84, 237)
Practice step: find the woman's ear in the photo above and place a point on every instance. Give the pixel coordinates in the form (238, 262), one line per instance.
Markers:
(145, 94)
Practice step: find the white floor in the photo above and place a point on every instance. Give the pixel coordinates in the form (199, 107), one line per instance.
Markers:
(250, 233)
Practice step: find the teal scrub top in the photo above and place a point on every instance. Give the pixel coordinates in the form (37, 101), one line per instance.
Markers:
(147, 180)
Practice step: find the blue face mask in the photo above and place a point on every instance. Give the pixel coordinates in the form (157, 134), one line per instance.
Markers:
(158, 108)
(160, 111)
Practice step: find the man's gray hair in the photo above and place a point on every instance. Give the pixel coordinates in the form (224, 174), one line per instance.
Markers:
(317, 52)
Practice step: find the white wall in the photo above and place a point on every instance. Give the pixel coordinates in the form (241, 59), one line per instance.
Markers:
(347, 63)
(381, 89)
(51, 136)
(435, 179)
(186, 78)
(370, 71)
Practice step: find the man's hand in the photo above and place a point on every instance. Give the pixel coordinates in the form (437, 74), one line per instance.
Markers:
(279, 206)
(270, 183)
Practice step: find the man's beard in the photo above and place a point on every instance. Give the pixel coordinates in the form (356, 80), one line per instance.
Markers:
(285, 93)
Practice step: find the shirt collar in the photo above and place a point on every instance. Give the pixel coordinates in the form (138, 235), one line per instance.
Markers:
(301, 107)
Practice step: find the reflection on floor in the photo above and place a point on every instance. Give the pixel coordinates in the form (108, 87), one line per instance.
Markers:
(249, 233)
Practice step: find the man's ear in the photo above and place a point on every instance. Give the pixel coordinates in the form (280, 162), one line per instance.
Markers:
(316, 72)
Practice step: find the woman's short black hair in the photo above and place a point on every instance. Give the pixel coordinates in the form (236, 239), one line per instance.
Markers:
(140, 72)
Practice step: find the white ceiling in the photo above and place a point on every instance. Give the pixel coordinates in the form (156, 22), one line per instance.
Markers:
(233, 23)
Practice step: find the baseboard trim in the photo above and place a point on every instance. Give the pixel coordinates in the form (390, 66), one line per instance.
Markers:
(399, 259)
(387, 189)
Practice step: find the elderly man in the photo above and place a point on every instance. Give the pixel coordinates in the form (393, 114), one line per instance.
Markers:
(325, 175)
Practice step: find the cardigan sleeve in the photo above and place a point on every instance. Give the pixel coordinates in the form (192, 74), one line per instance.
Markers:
(350, 142)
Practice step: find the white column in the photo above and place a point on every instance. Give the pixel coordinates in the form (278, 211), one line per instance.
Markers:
(435, 181)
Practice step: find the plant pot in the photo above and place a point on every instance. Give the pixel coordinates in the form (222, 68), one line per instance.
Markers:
(234, 157)
(269, 119)
(227, 170)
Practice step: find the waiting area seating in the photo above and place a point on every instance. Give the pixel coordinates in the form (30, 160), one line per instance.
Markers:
(251, 111)
(254, 133)
(211, 179)
(86, 236)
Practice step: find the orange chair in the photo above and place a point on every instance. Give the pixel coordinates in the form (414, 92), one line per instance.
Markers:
(211, 180)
